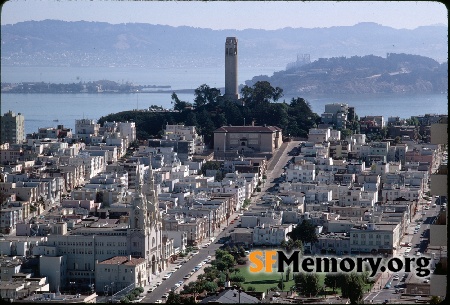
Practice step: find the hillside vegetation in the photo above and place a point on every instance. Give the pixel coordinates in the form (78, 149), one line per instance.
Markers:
(209, 112)
(397, 73)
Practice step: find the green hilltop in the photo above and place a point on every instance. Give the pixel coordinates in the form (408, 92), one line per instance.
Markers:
(258, 105)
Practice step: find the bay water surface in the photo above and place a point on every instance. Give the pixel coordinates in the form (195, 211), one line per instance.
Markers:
(49, 110)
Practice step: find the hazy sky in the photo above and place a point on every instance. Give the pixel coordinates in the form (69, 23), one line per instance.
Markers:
(231, 14)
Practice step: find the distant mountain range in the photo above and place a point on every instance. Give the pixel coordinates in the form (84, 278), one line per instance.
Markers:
(61, 43)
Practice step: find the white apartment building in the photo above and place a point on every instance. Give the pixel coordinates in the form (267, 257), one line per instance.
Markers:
(318, 195)
(393, 192)
(318, 135)
(128, 129)
(358, 138)
(301, 172)
(93, 165)
(188, 133)
(316, 149)
(356, 167)
(271, 235)
(261, 216)
(120, 141)
(325, 177)
(86, 128)
(111, 152)
(335, 113)
(9, 217)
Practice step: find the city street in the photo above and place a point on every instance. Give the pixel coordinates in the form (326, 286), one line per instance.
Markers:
(419, 242)
(186, 268)
(275, 169)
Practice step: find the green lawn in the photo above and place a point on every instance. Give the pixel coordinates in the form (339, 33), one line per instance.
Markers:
(263, 281)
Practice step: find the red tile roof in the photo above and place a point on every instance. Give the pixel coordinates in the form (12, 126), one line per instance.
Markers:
(119, 260)
(264, 129)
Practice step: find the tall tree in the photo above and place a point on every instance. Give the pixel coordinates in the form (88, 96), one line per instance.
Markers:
(331, 280)
(205, 95)
(305, 231)
(173, 298)
(281, 283)
(260, 93)
(356, 292)
(352, 287)
(288, 273)
(178, 104)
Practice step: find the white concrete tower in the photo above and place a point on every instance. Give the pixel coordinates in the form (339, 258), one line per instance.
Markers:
(231, 69)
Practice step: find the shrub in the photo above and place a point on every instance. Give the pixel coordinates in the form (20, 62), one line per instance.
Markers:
(140, 289)
(125, 300)
(241, 261)
(237, 278)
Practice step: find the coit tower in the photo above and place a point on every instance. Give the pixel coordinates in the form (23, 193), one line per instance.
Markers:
(231, 69)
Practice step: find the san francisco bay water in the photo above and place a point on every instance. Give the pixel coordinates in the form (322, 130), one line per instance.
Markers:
(49, 110)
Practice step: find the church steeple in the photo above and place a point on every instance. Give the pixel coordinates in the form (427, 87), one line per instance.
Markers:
(138, 213)
(152, 200)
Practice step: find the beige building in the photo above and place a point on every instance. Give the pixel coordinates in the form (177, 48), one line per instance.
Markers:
(247, 139)
(375, 238)
(12, 128)
(119, 272)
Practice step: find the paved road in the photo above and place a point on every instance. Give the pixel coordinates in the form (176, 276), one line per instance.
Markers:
(419, 242)
(186, 268)
(275, 169)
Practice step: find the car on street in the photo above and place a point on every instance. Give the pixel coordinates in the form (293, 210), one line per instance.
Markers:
(178, 266)
(165, 295)
(187, 276)
(176, 286)
(195, 253)
(157, 283)
(418, 253)
(206, 245)
(158, 301)
(165, 277)
(151, 289)
(407, 250)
